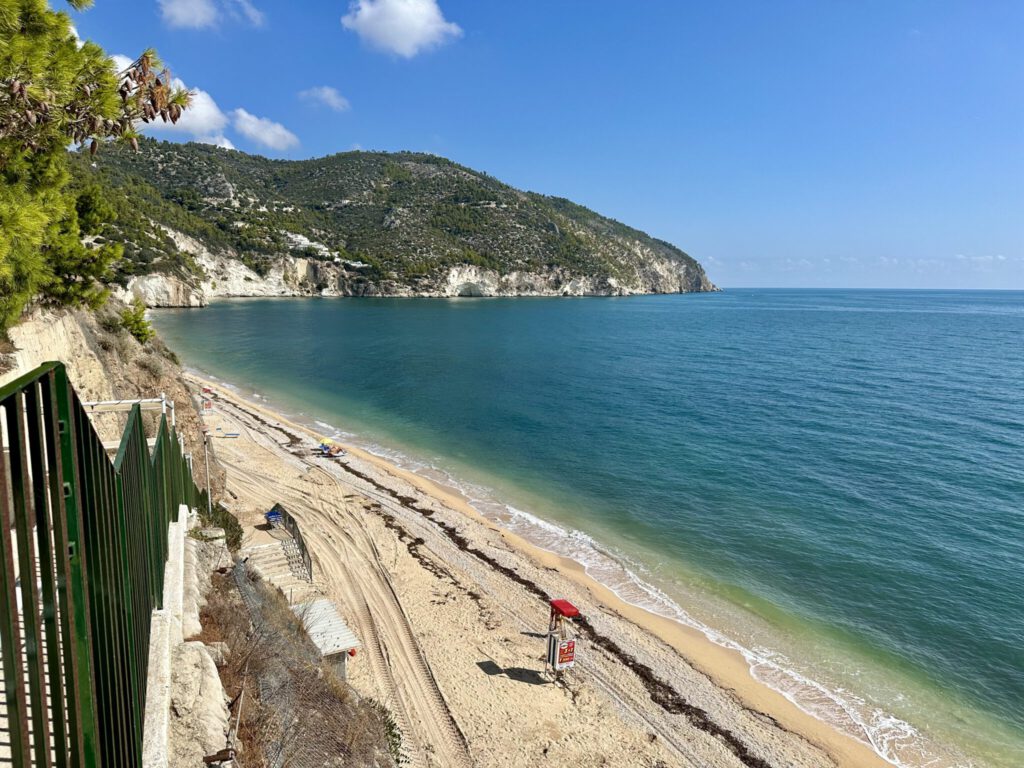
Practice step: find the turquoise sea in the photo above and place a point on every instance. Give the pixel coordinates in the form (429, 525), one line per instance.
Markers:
(830, 481)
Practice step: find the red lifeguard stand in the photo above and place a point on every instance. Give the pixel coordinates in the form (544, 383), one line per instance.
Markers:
(561, 646)
(562, 609)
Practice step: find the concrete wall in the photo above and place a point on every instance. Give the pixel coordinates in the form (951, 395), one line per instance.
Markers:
(186, 706)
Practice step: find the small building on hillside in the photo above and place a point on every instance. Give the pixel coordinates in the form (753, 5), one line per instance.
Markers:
(329, 632)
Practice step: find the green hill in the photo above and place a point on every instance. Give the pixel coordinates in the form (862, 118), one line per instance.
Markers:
(379, 223)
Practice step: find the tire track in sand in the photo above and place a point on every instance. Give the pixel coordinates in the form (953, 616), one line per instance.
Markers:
(356, 577)
(381, 612)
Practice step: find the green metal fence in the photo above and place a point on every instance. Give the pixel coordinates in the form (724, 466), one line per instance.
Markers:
(83, 542)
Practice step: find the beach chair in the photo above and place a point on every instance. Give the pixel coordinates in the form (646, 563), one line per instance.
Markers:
(274, 518)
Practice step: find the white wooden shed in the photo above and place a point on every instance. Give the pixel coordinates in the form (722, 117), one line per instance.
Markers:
(328, 631)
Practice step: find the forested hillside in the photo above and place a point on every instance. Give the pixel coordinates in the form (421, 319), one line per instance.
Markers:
(405, 218)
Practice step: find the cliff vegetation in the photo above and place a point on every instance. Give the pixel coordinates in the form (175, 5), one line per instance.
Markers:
(398, 223)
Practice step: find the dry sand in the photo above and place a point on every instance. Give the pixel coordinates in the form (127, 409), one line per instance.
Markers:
(451, 612)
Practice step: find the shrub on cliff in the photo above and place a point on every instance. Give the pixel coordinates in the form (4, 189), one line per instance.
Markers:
(220, 517)
(133, 320)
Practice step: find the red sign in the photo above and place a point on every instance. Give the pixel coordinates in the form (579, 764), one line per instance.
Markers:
(207, 405)
(566, 654)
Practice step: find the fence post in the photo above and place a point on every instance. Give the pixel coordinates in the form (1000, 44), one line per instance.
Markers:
(23, 508)
(128, 580)
(83, 543)
(10, 637)
(46, 499)
(82, 697)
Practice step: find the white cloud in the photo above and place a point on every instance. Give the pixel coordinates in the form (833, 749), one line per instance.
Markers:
(987, 258)
(121, 62)
(251, 12)
(203, 118)
(405, 27)
(219, 140)
(327, 96)
(264, 131)
(203, 121)
(189, 13)
(197, 14)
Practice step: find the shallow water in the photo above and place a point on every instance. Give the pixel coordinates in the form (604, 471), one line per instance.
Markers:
(832, 481)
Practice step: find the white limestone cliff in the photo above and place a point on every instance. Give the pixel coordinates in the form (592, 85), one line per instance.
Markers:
(223, 274)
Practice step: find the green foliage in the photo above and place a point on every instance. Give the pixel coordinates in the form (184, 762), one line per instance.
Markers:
(469, 256)
(133, 320)
(220, 517)
(55, 91)
(76, 273)
(392, 732)
(410, 216)
(397, 173)
(460, 220)
(122, 215)
(94, 210)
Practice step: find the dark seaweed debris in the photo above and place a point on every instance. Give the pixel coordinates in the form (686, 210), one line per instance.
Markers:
(661, 693)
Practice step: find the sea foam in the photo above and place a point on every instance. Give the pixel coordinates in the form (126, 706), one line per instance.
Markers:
(893, 739)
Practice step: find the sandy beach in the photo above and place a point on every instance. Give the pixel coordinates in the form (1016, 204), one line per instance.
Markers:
(451, 611)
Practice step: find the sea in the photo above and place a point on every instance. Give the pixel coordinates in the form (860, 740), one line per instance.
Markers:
(829, 481)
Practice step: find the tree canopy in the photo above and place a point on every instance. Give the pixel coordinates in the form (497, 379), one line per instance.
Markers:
(57, 91)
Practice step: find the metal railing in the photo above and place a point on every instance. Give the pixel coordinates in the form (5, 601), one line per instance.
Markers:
(292, 526)
(83, 542)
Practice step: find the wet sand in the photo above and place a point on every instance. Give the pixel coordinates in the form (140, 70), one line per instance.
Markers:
(451, 611)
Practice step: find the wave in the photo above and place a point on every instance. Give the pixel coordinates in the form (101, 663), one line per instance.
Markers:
(889, 736)
(893, 739)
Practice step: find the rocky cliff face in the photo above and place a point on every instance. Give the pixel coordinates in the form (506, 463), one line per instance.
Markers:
(162, 291)
(105, 363)
(224, 275)
(207, 222)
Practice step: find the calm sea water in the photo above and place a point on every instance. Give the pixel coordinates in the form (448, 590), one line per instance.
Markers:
(831, 481)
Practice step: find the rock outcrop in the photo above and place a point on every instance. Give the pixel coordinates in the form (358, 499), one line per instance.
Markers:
(216, 223)
(200, 714)
(45, 335)
(105, 363)
(226, 276)
(162, 291)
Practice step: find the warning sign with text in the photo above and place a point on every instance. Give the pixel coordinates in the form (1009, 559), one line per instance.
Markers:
(566, 654)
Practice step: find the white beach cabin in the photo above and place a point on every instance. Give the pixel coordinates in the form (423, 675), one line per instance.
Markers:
(329, 633)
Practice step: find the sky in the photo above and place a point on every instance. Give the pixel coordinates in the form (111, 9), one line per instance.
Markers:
(852, 143)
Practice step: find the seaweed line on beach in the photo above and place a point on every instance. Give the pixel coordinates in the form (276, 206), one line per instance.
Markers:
(661, 692)
(414, 545)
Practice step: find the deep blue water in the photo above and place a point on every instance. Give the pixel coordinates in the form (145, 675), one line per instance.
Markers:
(845, 468)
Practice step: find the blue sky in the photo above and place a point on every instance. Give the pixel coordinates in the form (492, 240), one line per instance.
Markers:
(850, 144)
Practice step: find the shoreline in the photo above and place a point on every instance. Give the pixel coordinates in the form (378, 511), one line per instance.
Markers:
(727, 668)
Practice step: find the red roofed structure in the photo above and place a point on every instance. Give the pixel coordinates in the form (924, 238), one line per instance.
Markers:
(564, 608)
(561, 645)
